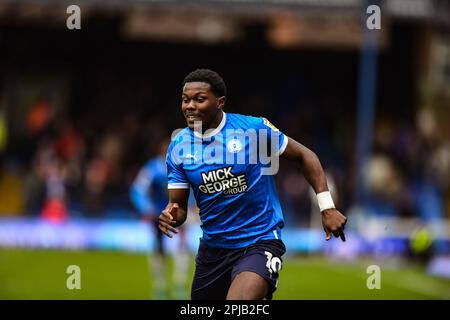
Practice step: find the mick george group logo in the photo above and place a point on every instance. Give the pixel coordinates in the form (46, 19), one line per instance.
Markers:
(223, 180)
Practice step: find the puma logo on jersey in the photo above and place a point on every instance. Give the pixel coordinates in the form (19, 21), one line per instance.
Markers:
(192, 156)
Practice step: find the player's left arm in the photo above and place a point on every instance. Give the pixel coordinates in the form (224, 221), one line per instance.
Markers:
(333, 221)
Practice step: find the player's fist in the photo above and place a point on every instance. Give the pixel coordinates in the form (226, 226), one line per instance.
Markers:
(168, 218)
(333, 223)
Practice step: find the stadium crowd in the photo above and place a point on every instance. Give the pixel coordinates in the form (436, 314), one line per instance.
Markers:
(76, 125)
(83, 164)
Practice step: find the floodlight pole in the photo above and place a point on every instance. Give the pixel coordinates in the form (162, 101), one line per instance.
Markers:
(367, 79)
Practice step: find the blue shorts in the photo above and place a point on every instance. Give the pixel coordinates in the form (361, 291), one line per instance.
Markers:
(216, 268)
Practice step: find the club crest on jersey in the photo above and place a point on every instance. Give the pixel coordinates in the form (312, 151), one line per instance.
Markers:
(270, 125)
(234, 145)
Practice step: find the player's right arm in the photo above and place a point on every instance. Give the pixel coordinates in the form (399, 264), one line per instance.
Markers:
(175, 212)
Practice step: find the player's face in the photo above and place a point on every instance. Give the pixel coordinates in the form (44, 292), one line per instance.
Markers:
(199, 103)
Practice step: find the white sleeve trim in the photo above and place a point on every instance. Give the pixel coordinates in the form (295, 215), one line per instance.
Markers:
(283, 145)
(180, 185)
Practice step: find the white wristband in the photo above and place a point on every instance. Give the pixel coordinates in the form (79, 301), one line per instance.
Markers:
(325, 201)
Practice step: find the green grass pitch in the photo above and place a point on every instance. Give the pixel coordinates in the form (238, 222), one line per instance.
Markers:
(41, 274)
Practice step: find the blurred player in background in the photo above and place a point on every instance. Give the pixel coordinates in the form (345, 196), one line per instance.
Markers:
(239, 256)
(149, 195)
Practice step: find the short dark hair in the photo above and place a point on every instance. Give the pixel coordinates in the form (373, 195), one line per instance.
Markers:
(216, 82)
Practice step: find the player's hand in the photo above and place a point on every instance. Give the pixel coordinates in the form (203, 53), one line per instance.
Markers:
(167, 219)
(333, 223)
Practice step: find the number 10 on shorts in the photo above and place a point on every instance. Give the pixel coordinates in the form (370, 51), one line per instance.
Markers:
(273, 263)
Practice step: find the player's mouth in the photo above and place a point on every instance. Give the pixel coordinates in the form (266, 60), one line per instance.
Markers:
(192, 118)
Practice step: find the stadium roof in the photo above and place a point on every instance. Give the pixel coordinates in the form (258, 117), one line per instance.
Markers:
(414, 9)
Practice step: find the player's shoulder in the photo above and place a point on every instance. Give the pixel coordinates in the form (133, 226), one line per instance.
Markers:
(249, 121)
(178, 140)
(179, 135)
(243, 120)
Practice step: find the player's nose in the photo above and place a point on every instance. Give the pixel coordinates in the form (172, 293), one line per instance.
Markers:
(191, 106)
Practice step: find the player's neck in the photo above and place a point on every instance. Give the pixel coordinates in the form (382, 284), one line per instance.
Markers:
(215, 123)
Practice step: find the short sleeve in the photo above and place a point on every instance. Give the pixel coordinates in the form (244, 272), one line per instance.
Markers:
(275, 133)
(176, 177)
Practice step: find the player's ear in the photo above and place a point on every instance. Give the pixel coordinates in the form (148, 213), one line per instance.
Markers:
(220, 102)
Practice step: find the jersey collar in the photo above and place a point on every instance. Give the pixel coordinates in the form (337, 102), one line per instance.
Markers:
(213, 132)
